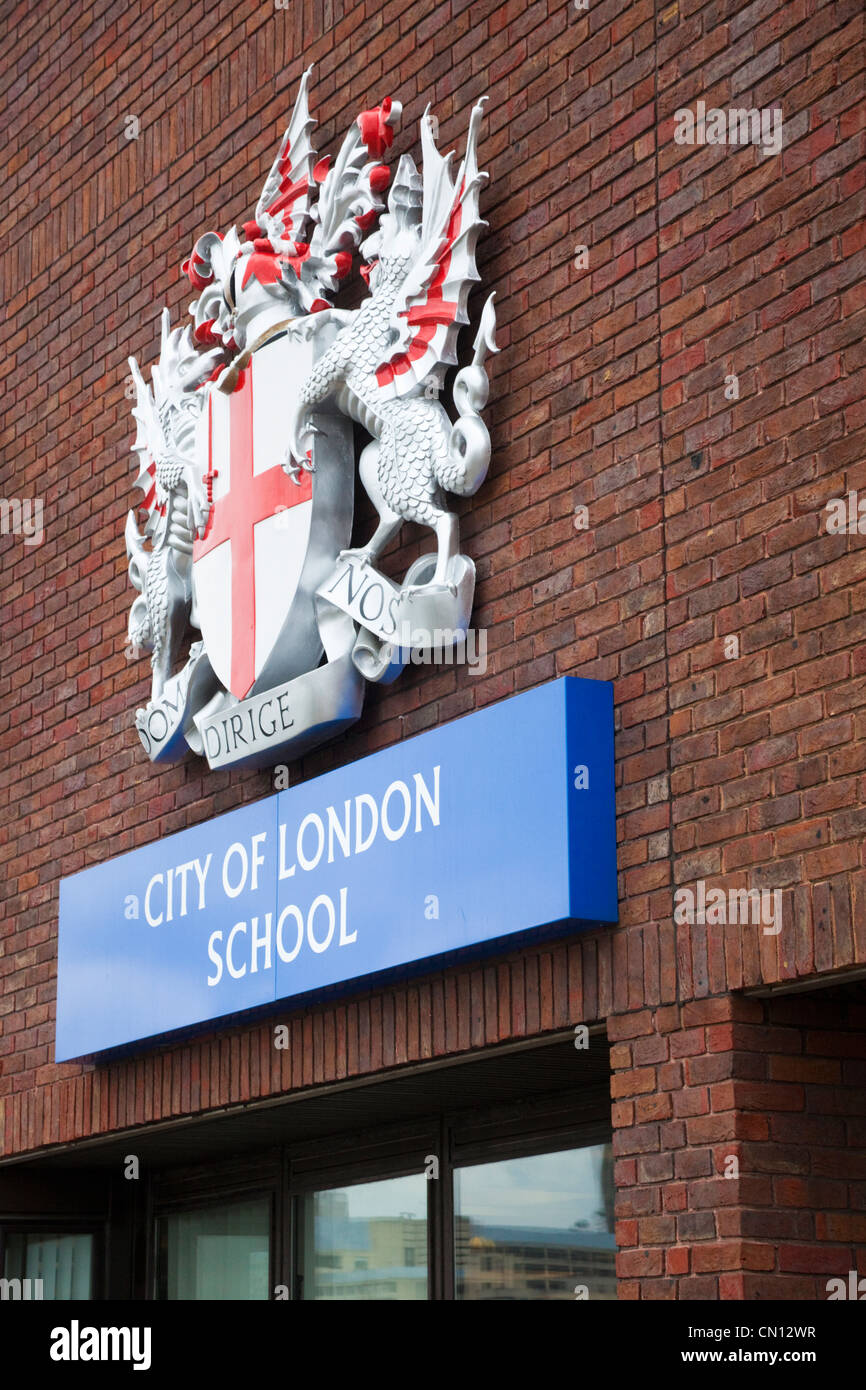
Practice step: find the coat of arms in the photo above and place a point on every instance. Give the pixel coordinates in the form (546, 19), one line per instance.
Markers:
(262, 624)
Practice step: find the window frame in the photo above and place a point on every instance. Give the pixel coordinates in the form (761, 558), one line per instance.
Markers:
(357, 1179)
(531, 1148)
(234, 1198)
(459, 1138)
(60, 1226)
(178, 1190)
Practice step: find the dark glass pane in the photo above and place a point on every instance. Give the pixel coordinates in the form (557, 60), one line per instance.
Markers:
(220, 1252)
(57, 1266)
(368, 1241)
(536, 1228)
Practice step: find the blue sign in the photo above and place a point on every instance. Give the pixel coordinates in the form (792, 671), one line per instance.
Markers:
(497, 823)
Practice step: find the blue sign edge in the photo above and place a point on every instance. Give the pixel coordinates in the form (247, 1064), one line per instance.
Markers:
(604, 857)
(551, 933)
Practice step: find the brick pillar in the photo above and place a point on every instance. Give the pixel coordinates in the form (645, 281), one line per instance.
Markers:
(768, 1090)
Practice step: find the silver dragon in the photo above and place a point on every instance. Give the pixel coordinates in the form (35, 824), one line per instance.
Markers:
(386, 365)
(166, 416)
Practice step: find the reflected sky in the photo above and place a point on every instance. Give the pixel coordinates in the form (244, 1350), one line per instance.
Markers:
(392, 1197)
(554, 1190)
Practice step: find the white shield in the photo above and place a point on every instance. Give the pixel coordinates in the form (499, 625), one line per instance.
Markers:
(269, 541)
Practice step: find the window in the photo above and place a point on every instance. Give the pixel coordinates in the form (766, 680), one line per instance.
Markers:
(58, 1266)
(541, 1225)
(346, 1203)
(368, 1241)
(216, 1252)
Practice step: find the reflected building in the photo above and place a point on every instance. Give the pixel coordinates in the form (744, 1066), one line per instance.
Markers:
(376, 1258)
(532, 1262)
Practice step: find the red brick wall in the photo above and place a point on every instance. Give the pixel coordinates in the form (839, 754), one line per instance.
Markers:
(705, 514)
(776, 1085)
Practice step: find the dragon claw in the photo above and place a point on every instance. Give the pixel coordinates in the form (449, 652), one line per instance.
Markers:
(362, 556)
(292, 466)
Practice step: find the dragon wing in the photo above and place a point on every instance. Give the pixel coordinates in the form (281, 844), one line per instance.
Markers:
(431, 305)
(286, 200)
(164, 427)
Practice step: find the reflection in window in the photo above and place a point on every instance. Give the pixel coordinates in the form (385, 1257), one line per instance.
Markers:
(534, 1228)
(63, 1264)
(368, 1241)
(219, 1252)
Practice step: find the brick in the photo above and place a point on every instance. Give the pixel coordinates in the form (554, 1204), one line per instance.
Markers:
(706, 520)
(639, 1263)
(811, 1259)
(848, 1227)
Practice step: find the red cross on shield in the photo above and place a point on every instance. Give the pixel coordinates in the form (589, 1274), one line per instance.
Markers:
(256, 568)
